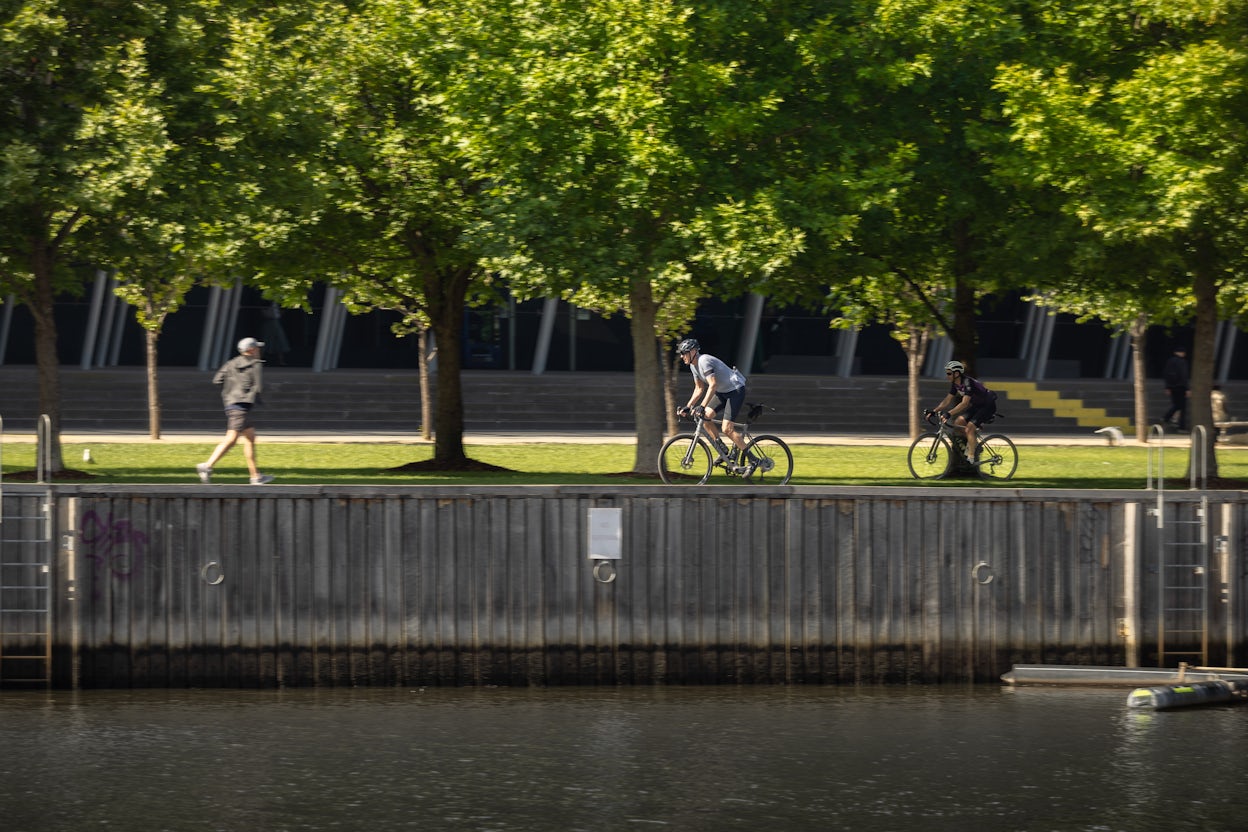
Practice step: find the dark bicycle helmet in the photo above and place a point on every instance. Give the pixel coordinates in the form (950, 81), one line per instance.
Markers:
(687, 345)
(955, 367)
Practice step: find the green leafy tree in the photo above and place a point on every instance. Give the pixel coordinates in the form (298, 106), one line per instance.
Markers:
(623, 134)
(910, 225)
(159, 238)
(1145, 144)
(912, 308)
(368, 190)
(1126, 287)
(81, 129)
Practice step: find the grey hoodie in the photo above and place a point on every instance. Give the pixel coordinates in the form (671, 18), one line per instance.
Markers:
(240, 377)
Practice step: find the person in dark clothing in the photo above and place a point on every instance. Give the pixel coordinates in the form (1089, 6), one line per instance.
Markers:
(1175, 376)
(968, 403)
(240, 380)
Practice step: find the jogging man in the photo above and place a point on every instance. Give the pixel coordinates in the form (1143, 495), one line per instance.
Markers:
(240, 380)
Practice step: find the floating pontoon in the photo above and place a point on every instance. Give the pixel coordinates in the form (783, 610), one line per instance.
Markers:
(1166, 687)
(1054, 674)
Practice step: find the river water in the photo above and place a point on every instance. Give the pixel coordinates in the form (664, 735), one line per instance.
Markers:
(690, 758)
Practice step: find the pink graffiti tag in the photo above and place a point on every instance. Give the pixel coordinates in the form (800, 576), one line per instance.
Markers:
(115, 548)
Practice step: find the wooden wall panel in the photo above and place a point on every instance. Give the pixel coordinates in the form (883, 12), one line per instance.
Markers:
(221, 586)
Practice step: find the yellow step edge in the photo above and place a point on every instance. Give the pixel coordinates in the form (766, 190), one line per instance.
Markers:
(1084, 416)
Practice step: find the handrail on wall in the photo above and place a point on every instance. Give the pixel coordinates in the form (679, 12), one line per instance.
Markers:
(43, 448)
(1198, 431)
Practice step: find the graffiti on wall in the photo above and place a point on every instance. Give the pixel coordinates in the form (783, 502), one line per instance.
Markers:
(115, 549)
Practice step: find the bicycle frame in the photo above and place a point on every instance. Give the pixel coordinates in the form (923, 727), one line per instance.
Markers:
(688, 458)
(936, 454)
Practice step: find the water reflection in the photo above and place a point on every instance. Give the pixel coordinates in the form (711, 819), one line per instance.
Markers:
(608, 759)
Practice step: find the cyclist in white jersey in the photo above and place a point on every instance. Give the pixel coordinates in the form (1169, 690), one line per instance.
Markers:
(716, 388)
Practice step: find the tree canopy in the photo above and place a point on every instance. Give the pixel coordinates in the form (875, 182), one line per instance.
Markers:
(891, 161)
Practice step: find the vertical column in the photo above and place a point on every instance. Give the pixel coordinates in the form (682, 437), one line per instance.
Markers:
(108, 322)
(1118, 362)
(749, 332)
(93, 319)
(215, 345)
(1129, 627)
(938, 353)
(209, 334)
(1039, 358)
(542, 351)
(329, 333)
(846, 348)
(1227, 333)
(339, 326)
(6, 322)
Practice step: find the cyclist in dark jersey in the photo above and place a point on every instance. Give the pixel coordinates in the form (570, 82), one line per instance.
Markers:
(969, 404)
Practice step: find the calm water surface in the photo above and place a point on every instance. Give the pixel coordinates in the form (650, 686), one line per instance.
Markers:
(928, 759)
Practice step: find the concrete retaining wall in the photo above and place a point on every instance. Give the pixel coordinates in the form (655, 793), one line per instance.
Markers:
(240, 586)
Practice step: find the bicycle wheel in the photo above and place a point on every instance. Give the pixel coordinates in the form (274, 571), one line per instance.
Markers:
(775, 460)
(685, 460)
(998, 458)
(930, 457)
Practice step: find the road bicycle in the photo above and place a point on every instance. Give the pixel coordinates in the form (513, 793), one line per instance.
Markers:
(691, 458)
(939, 453)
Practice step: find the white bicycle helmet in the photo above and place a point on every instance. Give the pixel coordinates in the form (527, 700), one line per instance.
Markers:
(955, 367)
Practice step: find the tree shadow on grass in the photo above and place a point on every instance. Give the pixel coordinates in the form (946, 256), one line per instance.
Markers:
(433, 466)
(67, 475)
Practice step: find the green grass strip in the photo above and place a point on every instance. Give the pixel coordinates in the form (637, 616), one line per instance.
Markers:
(375, 463)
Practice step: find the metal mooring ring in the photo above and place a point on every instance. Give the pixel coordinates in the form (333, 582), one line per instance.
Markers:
(598, 570)
(977, 577)
(208, 567)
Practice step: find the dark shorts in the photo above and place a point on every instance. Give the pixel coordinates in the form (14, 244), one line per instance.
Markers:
(981, 414)
(730, 404)
(238, 417)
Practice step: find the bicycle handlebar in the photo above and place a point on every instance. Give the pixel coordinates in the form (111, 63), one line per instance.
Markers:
(942, 425)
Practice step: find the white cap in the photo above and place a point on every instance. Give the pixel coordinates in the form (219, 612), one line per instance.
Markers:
(249, 343)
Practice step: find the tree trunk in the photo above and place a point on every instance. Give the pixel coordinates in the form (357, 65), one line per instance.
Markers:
(916, 350)
(153, 385)
(647, 378)
(1199, 403)
(445, 296)
(965, 338)
(1139, 339)
(670, 371)
(46, 359)
(422, 362)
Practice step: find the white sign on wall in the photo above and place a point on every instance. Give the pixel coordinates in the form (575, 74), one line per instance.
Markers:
(606, 533)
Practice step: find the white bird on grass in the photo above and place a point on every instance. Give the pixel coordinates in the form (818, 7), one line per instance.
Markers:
(1114, 435)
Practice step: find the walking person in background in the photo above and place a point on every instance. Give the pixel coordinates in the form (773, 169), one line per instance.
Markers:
(1217, 399)
(717, 388)
(240, 380)
(276, 344)
(968, 403)
(1174, 374)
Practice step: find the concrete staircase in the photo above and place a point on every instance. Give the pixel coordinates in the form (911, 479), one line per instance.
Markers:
(379, 401)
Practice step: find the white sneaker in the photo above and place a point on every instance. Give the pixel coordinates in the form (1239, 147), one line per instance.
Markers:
(205, 472)
(261, 479)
